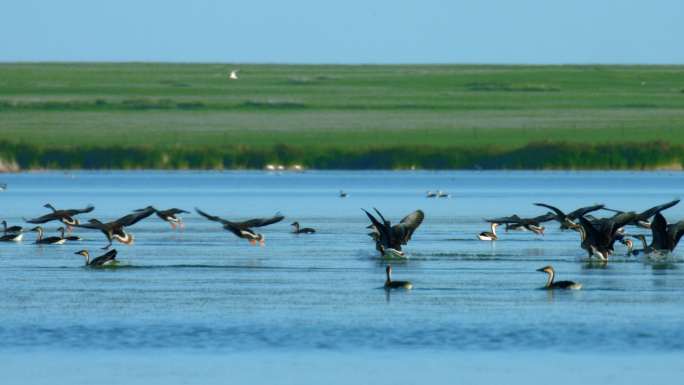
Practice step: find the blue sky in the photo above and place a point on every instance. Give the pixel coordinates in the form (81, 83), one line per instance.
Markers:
(344, 32)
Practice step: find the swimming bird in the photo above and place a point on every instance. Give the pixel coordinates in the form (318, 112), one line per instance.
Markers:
(599, 241)
(642, 220)
(440, 195)
(390, 238)
(431, 195)
(11, 237)
(64, 216)
(115, 230)
(487, 236)
(560, 284)
(169, 215)
(242, 229)
(305, 230)
(48, 240)
(3, 186)
(532, 224)
(101, 260)
(70, 237)
(343, 194)
(233, 74)
(568, 220)
(389, 284)
(13, 229)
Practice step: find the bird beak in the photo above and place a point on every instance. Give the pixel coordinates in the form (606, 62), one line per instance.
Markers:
(542, 270)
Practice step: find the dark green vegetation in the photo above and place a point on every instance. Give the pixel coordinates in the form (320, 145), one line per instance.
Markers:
(421, 111)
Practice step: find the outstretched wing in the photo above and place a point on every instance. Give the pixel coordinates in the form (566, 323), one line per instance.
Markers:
(136, 217)
(544, 218)
(44, 218)
(80, 211)
(404, 230)
(262, 221)
(174, 211)
(584, 210)
(213, 218)
(675, 233)
(653, 210)
(94, 224)
(589, 231)
(514, 219)
(556, 210)
(659, 230)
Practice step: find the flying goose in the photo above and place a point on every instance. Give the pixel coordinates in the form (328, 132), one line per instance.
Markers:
(389, 284)
(390, 238)
(101, 260)
(568, 220)
(532, 224)
(242, 229)
(560, 284)
(64, 216)
(599, 241)
(170, 215)
(115, 230)
(641, 220)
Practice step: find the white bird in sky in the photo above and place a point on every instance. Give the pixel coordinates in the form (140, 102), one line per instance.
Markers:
(233, 74)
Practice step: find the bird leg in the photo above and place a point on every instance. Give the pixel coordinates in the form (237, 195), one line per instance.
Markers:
(68, 228)
(172, 225)
(262, 243)
(253, 242)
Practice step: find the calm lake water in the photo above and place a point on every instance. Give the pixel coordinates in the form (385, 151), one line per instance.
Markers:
(199, 305)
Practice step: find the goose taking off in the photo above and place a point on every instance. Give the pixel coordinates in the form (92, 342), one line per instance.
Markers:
(389, 284)
(115, 230)
(13, 229)
(242, 229)
(48, 240)
(599, 241)
(642, 220)
(532, 224)
(64, 216)
(568, 221)
(487, 236)
(390, 238)
(305, 230)
(170, 216)
(101, 260)
(665, 237)
(560, 284)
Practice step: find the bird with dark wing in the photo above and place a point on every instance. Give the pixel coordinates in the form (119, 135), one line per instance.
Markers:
(665, 237)
(642, 220)
(390, 238)
(64, 216)
(107, 259)
(170, 216)
(568, 220)
(532, 224)
(599, 241)
(243, 229)
(115, 230)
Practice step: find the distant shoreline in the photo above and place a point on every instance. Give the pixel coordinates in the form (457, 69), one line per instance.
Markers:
(544, 155)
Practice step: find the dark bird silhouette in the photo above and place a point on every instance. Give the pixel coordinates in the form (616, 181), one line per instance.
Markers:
(390, 238)
(115, 230)
(532, 224)
(242, 229)
(99, 261)
(568, 220)
(170, 216)
(64, 216)
(642, 220)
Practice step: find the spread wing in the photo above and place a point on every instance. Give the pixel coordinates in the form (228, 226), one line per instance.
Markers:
(81, 211)
(544, 218)
(213, 218)
(45, 218)
(557, 211)
(404, 230)
(513, 219)
(659, 230)
(262, 221)
(675, 233)
(94, 224)
(591, 233)
(136, 217)
(653, 210)
(174, 211)
(584, 210)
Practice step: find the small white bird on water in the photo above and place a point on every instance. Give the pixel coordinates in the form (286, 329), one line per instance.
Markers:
(233, 74)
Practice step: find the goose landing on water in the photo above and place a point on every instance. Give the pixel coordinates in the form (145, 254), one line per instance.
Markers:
(390, 238)
(560, 284)
(487, 236)
(389, 284)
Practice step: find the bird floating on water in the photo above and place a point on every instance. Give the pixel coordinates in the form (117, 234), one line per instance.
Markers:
(560, 284)
(48, 240)
(389, 284)
(488, 236)
(305, 230)
(106, 259)
(13, 229)
(343, 194)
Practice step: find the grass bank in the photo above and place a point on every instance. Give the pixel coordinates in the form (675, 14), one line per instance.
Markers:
(540, 155)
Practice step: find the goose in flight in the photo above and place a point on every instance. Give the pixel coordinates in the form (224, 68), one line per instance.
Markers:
(242, 229)
(568, 220)
(64, 216)
(390, 238)
(170, 216)
(532, 224)
(599, 241)
(115, 230)
(642, 220)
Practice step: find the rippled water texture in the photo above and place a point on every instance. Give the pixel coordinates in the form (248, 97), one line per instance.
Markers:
(198, 304)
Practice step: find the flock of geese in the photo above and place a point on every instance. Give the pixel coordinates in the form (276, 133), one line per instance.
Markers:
(597, 236)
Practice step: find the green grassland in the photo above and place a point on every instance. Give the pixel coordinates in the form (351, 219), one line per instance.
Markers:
(434, 105)
(367, 114)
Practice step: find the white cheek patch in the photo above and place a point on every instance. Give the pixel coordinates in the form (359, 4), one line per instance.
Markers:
(172, 219)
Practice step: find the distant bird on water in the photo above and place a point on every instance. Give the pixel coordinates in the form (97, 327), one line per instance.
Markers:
(389, 284)
(560, 284)
(233, 74)
(305, 230)
(343, 194)
(13, 229)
